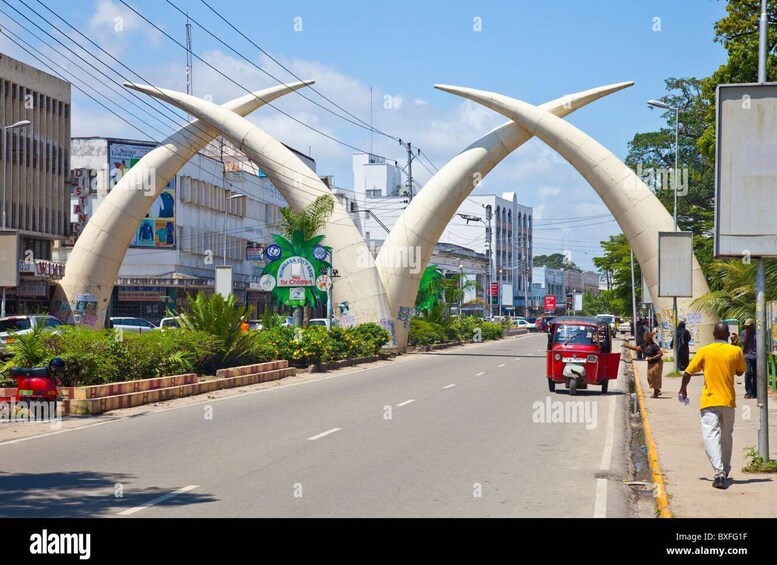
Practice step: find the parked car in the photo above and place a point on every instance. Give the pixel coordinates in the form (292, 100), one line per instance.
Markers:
(20, 325)
(624, 327)
(322, 322)
(169, 323)
(522, 323)
(132, 325)
(255, 325)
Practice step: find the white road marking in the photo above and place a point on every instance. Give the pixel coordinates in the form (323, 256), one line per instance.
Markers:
(157, 500)
(450, 385)
(234, 397)
(502, 365)
(600, 506)
(405, 403)
(326, 433)
(480, 373)
(517, 359)
(539, 350)
(609, 437)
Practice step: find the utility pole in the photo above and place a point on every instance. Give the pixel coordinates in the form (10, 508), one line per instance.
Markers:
(410, 156)
(762, 390)
(189, 77)
(488, 242)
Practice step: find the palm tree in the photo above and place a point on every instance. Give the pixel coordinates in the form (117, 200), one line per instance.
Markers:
(435, 288)
(300, 230)
(310, 221)
(733, 288)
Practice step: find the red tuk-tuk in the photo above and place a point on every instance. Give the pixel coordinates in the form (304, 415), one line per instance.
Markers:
(580, 354)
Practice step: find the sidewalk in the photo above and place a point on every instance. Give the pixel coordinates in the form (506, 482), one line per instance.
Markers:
(687, 471)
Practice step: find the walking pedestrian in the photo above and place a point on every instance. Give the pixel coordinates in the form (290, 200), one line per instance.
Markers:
(683, 338)
(751, 357)
(654, 356)
(719, 361)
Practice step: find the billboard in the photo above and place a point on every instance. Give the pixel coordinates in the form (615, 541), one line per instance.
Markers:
(507, 294)
(646, 299)
(746, 171)
(9, 258)
(675, 264)
(549, 303)
(157, 229)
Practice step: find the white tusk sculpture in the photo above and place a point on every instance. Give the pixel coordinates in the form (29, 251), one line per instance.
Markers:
(424, 220)
(359, 283)
(94, 263)
(636, 209)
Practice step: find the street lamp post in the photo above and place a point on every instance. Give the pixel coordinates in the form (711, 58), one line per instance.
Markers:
(676, 110)
(19, 124)
(233, 197)
(472, 218)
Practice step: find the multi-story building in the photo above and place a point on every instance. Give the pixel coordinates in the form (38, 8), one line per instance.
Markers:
(36, 165)
(192, 227)
(379, 197)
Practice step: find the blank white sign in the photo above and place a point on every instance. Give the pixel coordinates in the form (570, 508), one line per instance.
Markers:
(9, 258)
(675, 264)
(746, 173)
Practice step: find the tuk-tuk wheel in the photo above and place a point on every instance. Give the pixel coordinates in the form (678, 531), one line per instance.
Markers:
(551, 385)
(605, 385)
(572, 387)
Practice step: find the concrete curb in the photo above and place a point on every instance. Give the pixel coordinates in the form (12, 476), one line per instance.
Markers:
(662, 497)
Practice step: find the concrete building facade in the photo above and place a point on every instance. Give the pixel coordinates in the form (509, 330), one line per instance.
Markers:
(36, 160)
(179, 244)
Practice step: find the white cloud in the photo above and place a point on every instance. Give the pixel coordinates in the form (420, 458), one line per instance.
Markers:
(113, 26)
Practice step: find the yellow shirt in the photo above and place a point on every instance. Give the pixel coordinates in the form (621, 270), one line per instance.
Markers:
(719, 361)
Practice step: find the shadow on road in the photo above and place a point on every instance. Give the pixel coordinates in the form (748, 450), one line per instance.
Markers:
(80, 494)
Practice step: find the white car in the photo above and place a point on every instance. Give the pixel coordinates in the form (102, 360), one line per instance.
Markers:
(169, 323)
(322, 322)
(132, 325)
(522, 323)
(20, 325)
(610, 319)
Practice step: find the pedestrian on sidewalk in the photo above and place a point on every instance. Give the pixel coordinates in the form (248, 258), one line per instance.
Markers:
(683, 338)
(719, 361)
(751, 357)
(654, 356)
(640, 337)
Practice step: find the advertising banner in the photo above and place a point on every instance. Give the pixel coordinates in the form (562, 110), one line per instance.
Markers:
(140, 293)
(157, 229)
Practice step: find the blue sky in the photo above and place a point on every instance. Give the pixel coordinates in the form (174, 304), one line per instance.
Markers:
(533, 50)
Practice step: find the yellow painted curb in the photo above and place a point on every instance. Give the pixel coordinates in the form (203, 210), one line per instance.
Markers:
(662, 499)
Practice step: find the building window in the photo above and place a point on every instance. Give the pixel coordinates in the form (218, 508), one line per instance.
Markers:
(374, 192)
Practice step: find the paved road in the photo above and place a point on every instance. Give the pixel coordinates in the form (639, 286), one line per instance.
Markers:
(454, 433)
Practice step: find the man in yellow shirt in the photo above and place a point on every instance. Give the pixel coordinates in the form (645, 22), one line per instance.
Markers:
(719, 361)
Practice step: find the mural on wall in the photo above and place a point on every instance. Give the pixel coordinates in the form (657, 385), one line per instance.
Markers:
(294, 269)
(157, 229)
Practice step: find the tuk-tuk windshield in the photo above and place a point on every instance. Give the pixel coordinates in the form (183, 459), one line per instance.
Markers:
(576, 334)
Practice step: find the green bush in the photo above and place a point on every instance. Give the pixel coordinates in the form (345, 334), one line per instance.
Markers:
(156, 354)
(91, 357)
(367, 339)
(464, 327)
(424, 333)
(492, 330)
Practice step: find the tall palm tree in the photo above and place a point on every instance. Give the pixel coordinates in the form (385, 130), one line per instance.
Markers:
(299, 228)
(310, 221)
(733, 288)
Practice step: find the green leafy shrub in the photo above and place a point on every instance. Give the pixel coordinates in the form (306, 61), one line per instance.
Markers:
(367, 339)
(220, 317)
(492, 330)
(425, 333)
(91, 357)
(156, 354)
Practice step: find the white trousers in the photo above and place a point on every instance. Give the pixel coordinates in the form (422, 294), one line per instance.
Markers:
(717, 429)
